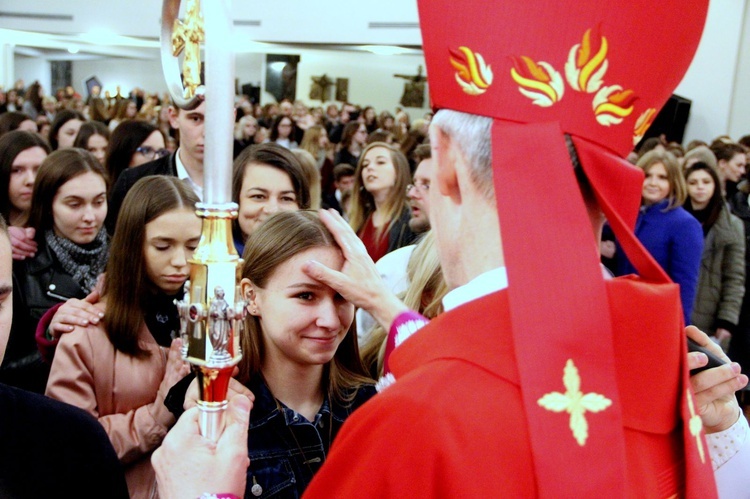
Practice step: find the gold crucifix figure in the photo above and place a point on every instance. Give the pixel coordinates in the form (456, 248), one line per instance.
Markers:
(575, 402)
(188, 35)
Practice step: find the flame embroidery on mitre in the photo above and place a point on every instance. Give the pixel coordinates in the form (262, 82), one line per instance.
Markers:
(587, 63)
(472, 73)
(642, 124)
(613, 104)
(538, 81)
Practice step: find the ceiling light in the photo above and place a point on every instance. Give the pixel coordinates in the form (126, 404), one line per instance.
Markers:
(385, 49)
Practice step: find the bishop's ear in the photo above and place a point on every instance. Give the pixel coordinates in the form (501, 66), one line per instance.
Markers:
(445, 155)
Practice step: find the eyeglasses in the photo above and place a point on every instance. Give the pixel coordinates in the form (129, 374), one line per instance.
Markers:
(151, 153)
(422, 187)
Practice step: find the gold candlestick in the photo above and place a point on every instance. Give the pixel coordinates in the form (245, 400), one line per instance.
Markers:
(212, 311)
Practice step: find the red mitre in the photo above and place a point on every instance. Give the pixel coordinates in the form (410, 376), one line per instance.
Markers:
(597, 71)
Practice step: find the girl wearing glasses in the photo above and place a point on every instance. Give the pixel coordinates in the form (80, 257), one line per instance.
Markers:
(133, 143)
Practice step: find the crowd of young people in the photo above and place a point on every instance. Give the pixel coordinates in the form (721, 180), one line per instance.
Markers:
(103, 225)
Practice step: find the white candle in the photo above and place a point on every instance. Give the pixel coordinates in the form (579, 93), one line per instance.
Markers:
(219, 81)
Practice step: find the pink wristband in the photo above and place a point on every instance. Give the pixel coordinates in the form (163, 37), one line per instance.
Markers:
(404, 325)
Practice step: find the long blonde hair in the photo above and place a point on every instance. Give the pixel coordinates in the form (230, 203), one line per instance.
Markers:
(425, 294)
(281, 237)
(363, 204)
(310, 169)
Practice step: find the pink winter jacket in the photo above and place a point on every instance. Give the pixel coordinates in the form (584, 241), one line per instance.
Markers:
(120, 390)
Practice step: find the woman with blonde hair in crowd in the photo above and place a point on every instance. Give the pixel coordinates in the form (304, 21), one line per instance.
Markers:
(313, 176)
(424, 293)
(315, 141)
(672, 236)
(125, 109)
(379, 211)
(244, 133)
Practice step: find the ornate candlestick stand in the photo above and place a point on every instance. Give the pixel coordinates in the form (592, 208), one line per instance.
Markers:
(212, 311)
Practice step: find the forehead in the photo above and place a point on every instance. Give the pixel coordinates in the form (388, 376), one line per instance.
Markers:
(174, 224)
(263, 175)
(83, 185)
(290, 271)
(377, 152)
(31, 156)
(657, 168)
(424, 169)
(700, 174)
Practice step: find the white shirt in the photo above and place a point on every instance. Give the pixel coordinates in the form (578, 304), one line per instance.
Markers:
(392, 268)
(489, 282)
(183, 175)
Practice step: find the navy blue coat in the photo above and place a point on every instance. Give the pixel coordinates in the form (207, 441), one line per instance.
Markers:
(675, 240)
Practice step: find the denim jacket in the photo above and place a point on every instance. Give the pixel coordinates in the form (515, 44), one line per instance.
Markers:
(286, 449)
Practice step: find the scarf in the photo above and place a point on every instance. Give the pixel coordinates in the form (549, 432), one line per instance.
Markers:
(83, 263)
(161, 317)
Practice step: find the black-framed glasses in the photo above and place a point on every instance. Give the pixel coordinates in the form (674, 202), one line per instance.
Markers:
(151, 153)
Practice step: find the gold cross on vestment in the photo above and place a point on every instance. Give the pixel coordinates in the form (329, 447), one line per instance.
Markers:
(187, 35)
(575, 402)
(696, 425)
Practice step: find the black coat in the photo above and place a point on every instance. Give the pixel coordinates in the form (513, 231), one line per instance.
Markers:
(39, 284)
(166, 165)
(400, 234)
(52, 449)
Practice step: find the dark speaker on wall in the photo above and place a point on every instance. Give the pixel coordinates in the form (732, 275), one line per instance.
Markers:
(671, 120)
(252, 92)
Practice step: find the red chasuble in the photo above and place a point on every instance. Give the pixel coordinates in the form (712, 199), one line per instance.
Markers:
(454, 423)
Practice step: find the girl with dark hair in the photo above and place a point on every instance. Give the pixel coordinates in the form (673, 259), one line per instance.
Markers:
(65, 128)
(379, 213)
(14, 120)
(120, 369)
(133, 143)
(68, 207)
(282, 132)
(266, 178)
(353, 140)
(731, 160)
(721, 282)
(32, 104)
(94, 137)
(21, 154)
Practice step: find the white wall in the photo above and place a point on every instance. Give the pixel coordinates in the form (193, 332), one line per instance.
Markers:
(128, 73)
(709, 82)
(33, 68)
(739, 117)
(371, 80)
